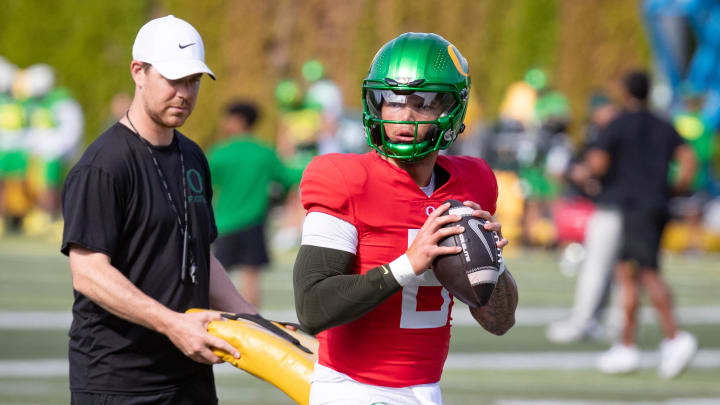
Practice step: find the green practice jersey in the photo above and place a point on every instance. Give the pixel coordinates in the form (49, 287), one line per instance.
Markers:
(242, 170)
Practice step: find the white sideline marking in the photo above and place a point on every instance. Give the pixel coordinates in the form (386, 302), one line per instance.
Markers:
(669, 401)
(709, 358)
(543, 316)
(34, 368)
(461, 317)
(455, 361)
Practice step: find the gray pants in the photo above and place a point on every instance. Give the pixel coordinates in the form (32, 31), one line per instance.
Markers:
(602, 244)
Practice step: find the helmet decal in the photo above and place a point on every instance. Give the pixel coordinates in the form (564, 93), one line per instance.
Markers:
(454, 56)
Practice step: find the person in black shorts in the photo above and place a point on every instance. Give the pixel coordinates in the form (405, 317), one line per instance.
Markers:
(633, 156)
(243, 171)
(245, 247)
(138, 228)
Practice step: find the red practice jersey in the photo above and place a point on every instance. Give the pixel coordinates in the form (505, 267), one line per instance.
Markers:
(405, 340)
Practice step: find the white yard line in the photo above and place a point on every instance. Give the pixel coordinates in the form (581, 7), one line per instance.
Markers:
(456, 361)
(461, 317)
(34, 368)
(585, 360)
(564, 401)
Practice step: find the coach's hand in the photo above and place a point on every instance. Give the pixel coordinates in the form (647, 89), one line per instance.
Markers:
(424, 247)
(189, 333)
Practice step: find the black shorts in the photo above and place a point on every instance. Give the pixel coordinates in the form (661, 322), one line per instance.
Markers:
(242, 248)
(191, 393)
(642, 231)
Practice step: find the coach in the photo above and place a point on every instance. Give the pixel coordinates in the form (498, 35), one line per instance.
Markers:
(138, 228)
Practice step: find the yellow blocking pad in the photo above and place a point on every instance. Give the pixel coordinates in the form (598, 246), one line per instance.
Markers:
(268, 356)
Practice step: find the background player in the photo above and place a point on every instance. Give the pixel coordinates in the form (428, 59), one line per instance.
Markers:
(372, 230)
(243, 169)
(634, 153)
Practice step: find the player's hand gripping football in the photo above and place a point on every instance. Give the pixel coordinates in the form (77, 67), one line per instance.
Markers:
(425, 247)
(189, 333)
(490, 225)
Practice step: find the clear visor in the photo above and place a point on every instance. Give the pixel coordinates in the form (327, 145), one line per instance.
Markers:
(409, 105)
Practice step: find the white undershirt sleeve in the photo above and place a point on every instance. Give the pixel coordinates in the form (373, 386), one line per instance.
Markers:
(323, 230)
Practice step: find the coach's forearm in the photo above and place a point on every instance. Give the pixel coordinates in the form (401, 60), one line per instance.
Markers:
(94, 277)
(326, 295)
(498, 315)
(223, 294)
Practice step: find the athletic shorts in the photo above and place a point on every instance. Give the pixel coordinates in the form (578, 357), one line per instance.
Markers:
(52, 173)
(330, 387)
(245, 247)
(642, 231)
(45, 174)
(13, 164)
(189, 394)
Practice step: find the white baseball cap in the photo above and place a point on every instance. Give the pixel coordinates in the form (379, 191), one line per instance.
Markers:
(172, 46)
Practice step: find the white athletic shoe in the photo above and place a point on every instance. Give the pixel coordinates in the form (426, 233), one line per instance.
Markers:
(619, 359)
(565, 331)
(570, 330)
(675, 354)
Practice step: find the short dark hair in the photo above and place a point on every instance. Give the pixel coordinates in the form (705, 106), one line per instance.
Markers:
(637, 84)
(246, 110)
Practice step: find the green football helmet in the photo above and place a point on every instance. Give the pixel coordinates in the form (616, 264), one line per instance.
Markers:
(426, 74)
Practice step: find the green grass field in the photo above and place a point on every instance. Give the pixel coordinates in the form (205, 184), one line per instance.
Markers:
(35, 277)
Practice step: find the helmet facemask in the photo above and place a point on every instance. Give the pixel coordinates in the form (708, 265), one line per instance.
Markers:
(410, 124)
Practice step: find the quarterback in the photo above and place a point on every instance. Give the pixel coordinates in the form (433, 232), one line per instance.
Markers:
(362, 279)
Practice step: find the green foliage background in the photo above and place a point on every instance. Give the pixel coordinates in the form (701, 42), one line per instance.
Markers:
(252, 44)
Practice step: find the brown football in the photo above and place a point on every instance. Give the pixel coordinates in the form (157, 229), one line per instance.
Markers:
(470, 275)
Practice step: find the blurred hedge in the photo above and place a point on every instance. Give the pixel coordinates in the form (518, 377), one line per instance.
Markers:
(252, 44)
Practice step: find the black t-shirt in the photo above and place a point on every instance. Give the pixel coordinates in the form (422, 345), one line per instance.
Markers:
(641, 147)
(115, 203)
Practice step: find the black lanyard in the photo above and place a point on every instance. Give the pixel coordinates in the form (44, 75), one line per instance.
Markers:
(184, 230)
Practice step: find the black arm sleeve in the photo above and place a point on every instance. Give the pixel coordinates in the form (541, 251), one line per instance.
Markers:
(327, 295)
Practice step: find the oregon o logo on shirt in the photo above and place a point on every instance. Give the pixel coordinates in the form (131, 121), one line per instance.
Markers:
(195, 181)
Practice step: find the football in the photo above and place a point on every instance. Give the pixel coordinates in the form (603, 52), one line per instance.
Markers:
(470, 275)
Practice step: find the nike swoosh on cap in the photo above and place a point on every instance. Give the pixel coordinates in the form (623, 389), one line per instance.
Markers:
(185, 46)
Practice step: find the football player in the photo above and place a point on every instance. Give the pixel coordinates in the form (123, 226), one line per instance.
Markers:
(362, 280)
